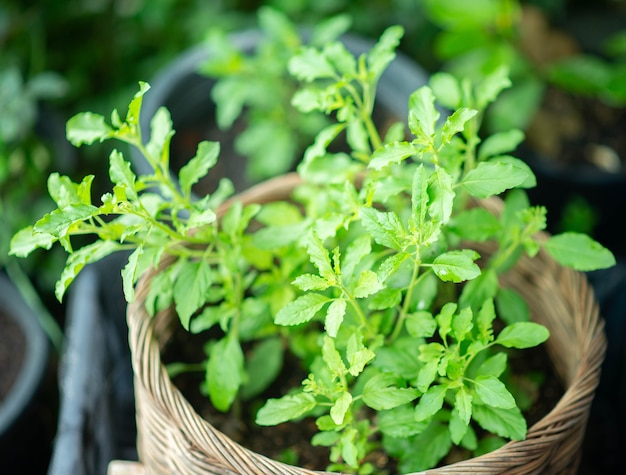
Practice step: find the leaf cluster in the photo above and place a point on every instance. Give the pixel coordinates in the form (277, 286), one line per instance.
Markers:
(367, 274)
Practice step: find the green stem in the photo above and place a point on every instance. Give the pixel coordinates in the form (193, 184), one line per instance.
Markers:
(407, 300)
(30, 295)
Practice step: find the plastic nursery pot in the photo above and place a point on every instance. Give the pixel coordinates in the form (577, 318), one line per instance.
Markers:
(187, 95)
(174, 438)
(24, 352)
(96, 419)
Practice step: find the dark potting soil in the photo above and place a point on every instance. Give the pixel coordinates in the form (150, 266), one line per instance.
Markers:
(12, 343)
(290, 442)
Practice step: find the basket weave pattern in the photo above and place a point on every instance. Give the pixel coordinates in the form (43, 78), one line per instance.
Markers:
(174, 439)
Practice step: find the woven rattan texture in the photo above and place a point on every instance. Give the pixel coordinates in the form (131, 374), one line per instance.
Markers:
(174, 439)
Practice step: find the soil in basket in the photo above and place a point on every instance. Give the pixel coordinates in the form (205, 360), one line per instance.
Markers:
(290, 442)
(12, 344)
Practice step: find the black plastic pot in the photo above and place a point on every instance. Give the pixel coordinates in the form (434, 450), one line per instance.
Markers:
(97, 412)
(187, 95)
(24, 442)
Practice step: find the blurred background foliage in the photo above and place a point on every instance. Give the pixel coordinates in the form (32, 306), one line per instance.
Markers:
(60, 57)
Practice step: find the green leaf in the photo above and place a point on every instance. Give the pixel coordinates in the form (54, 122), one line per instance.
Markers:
(385, 227)
(491, 86)
(579, 251)
(476, 224)
(430, 403)
(422, 114)
(508, 423)
(367, 284)
(134, 108)
(79, 259)
(310, 64)
(354, 255)
(341, 406)
(332, 358)
(380, 393)
(512, 307)
(441, 196)
(26, 241)
(129, 274)
(484, 320)
(421, 324)
(263, 365)
(463, 404)
(493, 392)
(358, 356)
(446, 89)
(500, 143)
(390, 154)
(308, 282)
(334, 316)
(318, 254)
(86, 128)
(492, 178)
(224, 372)
(385, 298)
(522, 335)
(121, 174)
(199, 165)
(190, 289)
(58, 221)
(455, 123)
(400, 422)
(462, 323)
(458, 428)
(476, 291)
(383, 52)
(456, 266)
(301, 310)
(493, 366)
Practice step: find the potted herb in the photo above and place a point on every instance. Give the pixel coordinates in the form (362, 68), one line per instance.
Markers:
(391, 275)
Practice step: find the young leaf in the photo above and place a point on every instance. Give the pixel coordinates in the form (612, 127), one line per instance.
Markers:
(476, 224)
(463, 404)
(391, 153)
(332, 358)
(367, 284)
(522, 335)
(493, 392)
(86, 128)
(446, 89)
(456, 266)
(508, 423)
(121, 174)
(422, 114)
(441, 195)
(455, 123)
(379, 57)
(301, 310)
(430, 403)
(224, 372)
(385, 227)
(308, 282)
(491, 86)
(421, 324)
(318, 254)
(579, 251)
(289, 407)
(26, 241)
(458, 427)
(198, 166)
(341, 406)
(334, 316)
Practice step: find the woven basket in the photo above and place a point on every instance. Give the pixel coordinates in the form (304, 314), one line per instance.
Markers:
(174, 439)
